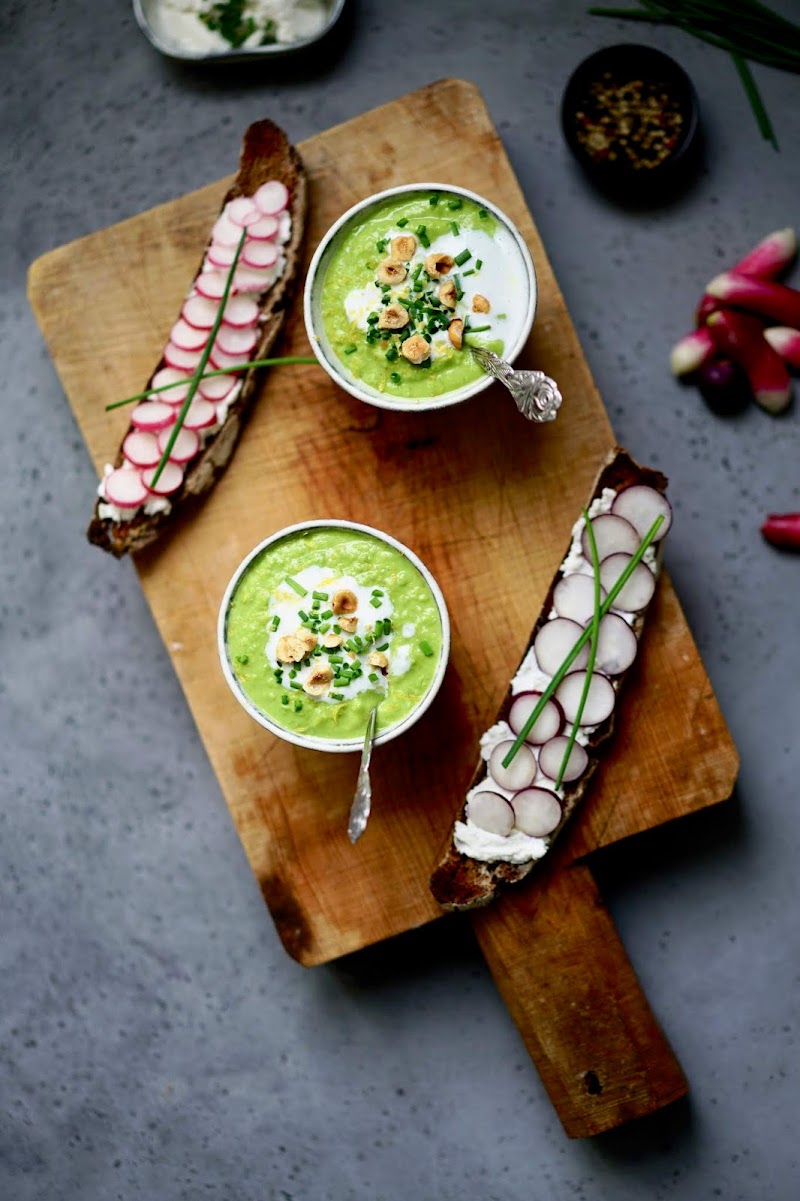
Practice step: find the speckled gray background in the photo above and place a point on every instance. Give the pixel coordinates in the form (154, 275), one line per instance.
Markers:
(155, 1040)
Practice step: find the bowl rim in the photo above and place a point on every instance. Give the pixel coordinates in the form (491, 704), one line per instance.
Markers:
(307, 741)
(457, 395)
(274, 49)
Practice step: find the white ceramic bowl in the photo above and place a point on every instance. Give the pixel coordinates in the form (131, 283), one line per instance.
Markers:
(309, 741)
(313, 291)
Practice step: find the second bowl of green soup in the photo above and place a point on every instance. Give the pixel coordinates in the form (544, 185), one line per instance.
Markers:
(405, 282)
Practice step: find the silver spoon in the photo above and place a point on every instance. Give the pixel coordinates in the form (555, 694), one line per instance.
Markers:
(362, 801)
(536, 395)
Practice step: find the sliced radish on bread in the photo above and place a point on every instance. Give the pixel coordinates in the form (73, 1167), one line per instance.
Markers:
(537, 811)
(547, 724)
(551, 757)
(491, 812)
(124, 488)
(641, 505)
(555, 640)
(600, 698)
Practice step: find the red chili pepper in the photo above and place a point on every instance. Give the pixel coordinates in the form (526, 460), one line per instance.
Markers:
(783, 529)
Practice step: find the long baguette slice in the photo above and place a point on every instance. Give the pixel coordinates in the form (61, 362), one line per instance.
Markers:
(266, 155)
(461, 882)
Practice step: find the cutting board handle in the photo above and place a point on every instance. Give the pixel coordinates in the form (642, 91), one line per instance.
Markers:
(562, 970)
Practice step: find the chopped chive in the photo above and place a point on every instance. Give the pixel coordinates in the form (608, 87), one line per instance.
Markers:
(380, 245)
(277, 672)
(391, 354)
(478, 329)
(454, 227)
(454, 204)
(387, 624)
(301, 613)
(298, 588)
(323, 629)
(341, 681)
(297, 687)
(478, 264)
(423, 236)
(463, 257)
(326, 613)
(242, 659)
(501, 316)
(337, 696)
(434, 198)
(403, 222)
(395, 377)
(315, 607)
(276, 621)
(373, 676)
(379, 628)
(335, 658)
(337, 629)
(372, 319)
(417, 271)
(470, 272)
(298, 704)
(376, 602)
(382, 648)
(292, 673)
(350, 349)
(426, 648)
(377, 592)
(284, 699)
(320, 595)
(482, 213)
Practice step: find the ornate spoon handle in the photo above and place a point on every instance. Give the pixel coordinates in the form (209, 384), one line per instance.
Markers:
(536, 395)
(362, 801)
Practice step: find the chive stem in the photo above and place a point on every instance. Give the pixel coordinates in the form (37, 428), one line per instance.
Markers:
(279, 362)
(298, 588)
(593, 636)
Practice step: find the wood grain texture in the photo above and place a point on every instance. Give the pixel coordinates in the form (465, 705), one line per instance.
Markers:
(485, 499)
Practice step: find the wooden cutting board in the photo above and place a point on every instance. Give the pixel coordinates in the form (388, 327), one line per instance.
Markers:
(487, 500)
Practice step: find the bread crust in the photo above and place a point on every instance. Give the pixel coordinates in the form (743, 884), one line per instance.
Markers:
(459, 882)
(266, 154)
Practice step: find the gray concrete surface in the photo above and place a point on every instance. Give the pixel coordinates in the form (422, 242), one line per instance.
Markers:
(155, 1040)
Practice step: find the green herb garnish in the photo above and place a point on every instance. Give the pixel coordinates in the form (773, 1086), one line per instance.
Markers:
(298, 705)
(463, 257)
(482, 213)
(395, 377)
(276, 621)
(337, 696)
(402, 223)
(351, 349)
(243, 659)
(594, 632)
(426, 648)
(454, 227)
(422, 234)
(455, 203)
(470, 272)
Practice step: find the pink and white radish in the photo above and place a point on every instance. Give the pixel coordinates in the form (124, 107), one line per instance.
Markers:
(741, 339)
(186, 336)
(226, 232)
(140, 447)
(692, 351)
(551, 756)
(183, 360)
(211, 285)
(228, 362)
(200, 415)
(221, 256)
(519, 774)
(761, 296)
(168, 482)
(185, 447)
(242, 211)
(260, 254)
(491, 812)
(573, 597)
(240, 311)
(786, 342)
(549, 722)
(600, 698)
(612, 533)
(123, 487)
(200, 312)
(265, 228)
(173, 395)
(216, 387)
(641, 505)
(253, 279)
(617, 646)
(272, 198)
(637, 591)
(555, 640)
(766, 260)
(537, 812)
(234, 341)
(153, 415)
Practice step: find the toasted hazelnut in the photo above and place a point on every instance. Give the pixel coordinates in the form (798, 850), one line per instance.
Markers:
(403, 247)
(378, 659)
(447, 294)
(348, 624)
(438, 265)
(318, 680)
(480, 304)
(394, 316)
(391, 271)
(344, 601)
(331, 640)
(305, 636)
(455, 332)
(415, 349)
(290, 649)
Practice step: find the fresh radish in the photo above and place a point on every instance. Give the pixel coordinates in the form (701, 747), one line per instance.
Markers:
(169, 481)
(520, 773)
(185, 447)
(227, 362)
(691, 352)
(260, 254)
(183, 360)
(761, 296)
(236, 341)
(153, 415)
(637, 592)
(140, 447)
(186, 337)
(786, 342)
(573, 597)
(264, 229)
(741, 339)
(599, 699)
(242, 211)
(200, 312)
(241, 311)
(253, 279)
(767, 260)
(641, 505)
(537, 811)
(555, 640)
(272, 198)
(616, 646)
(551, 756)
(216, 387)
(547, 724)
(491, 812)
(783, 529)
(221, 256)
(211, 285)
(200, 414)
(170, 375)
(723, 386)
(226, 232)
(612, 533)
(124, 487)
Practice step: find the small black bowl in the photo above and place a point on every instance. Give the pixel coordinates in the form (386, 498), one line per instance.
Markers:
(630, 116)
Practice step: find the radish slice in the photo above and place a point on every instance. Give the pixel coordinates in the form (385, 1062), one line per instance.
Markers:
(537, 811)
(184, 360)
(226, 232)
(551, 756)
(272, 198)
(641, 505)
(169, 375)
(519, 774)
(240, 311)
(216, 388)
(152, 415)
(211, 285)
(491, 812)
(259, 254)
(252, 279)
(141, 448)
(599, 700)
(200, 312)
(200, 414)
(267, 227)
(170, 479)
(186, 337)
(616, 646)
(220, 256)
(547, 724)
(611, 533)
(185, 448)
(637, 592)
(231, 340)
(225, 361)
(555, 640)
(573, 597)
(124, 488)
(241, 211)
